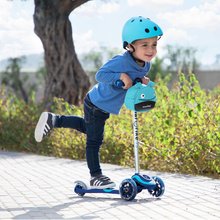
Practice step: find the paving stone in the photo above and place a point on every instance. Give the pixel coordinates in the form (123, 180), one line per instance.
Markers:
(39, 187)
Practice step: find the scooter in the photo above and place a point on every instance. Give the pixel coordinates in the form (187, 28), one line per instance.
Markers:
(130, 187)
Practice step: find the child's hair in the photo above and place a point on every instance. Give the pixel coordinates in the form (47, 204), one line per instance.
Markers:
(137, 28)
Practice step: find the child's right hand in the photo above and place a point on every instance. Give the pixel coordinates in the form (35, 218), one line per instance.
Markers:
(126, 80)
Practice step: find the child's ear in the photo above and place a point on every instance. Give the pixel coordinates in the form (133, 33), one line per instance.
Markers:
(130, 48)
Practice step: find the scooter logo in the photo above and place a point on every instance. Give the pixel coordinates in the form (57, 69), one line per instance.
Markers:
(147, 106)
(135, 126)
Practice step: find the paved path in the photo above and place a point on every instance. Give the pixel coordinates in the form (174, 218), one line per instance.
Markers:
(38, 187)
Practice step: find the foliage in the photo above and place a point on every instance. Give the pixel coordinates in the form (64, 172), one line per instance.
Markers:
(157, 69)
(186, 125)
(16, 120)
(182, 134)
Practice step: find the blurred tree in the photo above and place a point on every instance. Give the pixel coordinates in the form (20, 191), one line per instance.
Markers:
(17, 81)
(182, 59)
(65, 76)
(41, 74)
(156, 69)
(93, 60)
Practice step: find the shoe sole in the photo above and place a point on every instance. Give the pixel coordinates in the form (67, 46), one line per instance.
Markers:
(111, 185)
(39, 130)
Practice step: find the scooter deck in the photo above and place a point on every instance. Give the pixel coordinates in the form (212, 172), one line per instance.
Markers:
(93, 190)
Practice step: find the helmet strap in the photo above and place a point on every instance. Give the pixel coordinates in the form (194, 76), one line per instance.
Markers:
(130, 48)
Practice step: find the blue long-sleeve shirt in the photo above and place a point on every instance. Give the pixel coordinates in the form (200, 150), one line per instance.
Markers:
(105, 95)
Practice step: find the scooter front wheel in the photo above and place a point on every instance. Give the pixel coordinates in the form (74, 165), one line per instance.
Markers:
(159, 189)
(128, 189)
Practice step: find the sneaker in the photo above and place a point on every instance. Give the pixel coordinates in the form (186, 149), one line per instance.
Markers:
(45, 124)
(101, 182)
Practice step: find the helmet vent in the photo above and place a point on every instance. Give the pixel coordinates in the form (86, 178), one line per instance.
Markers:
(147, 30)
(140, 20)
(155, 28)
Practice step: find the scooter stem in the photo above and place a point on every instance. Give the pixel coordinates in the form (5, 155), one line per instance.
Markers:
(136, 143)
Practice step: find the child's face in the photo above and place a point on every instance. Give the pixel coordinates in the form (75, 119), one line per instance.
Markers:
(145, 49)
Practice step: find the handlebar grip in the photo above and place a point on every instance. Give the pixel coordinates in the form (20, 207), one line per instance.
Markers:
(119, 83)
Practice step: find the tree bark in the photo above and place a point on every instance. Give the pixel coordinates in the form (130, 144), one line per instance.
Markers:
(65, 76)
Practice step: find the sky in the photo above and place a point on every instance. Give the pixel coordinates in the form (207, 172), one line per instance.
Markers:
(186, 23)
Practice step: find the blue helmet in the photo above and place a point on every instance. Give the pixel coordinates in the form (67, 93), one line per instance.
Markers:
(137, 28)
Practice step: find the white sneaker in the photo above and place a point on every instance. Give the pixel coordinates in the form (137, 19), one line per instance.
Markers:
(44, 125)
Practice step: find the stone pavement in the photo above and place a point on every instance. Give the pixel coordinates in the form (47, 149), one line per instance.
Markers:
(38, 187)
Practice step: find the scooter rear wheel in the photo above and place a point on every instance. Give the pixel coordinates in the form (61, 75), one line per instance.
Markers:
(79, 185)
(128, 189)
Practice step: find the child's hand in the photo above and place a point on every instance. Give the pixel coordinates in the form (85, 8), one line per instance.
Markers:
(126, 80)
(145, 80)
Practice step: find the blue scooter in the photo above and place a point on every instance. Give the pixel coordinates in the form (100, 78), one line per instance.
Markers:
(139, 98)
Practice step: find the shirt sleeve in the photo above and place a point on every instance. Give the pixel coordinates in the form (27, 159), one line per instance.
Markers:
(111, 71)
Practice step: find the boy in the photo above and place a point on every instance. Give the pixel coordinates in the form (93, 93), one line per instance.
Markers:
(139, 36)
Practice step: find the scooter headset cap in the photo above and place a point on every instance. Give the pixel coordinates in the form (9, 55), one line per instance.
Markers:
(137, 28)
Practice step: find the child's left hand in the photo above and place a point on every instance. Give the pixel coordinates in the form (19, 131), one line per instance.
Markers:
(145, 80)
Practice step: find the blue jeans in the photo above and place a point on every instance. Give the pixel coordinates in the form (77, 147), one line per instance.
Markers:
(92, 125)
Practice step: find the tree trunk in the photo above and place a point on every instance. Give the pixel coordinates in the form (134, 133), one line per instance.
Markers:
(65, 76)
